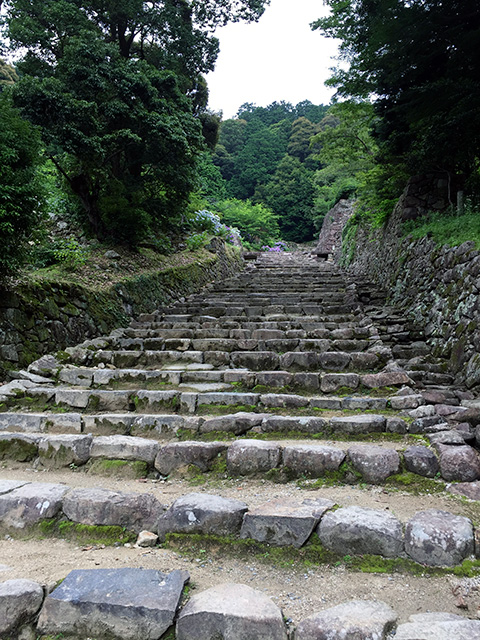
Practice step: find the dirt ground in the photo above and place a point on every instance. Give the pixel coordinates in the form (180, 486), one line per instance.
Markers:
(298, 591)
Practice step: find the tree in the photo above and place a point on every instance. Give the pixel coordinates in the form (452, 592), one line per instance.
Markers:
(420, 61)
(290, 194)
(116, 86)
(257, 223)
(20, 192)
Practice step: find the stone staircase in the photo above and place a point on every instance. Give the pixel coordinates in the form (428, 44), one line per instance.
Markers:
(289, 380)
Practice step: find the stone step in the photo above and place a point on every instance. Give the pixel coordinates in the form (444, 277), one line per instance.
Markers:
(432, 537)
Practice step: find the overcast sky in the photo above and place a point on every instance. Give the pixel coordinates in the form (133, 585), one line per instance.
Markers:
(278, 58)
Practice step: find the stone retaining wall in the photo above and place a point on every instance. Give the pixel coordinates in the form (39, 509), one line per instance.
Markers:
(41, 318)
(438, 286)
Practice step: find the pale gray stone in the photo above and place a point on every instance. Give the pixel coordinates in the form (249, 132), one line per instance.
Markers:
(386, 379)
(312, 459)
(9, 485)
(375, 463)
(20, 601)
(24, 422)
(423, 411)
(458, 463)
(134, 511)
(283, 400)
(236, 423)
(146, 539)
(365, 403)
(284, 521)
(124, 448)
(127, 604)
(45, 366)
(304, 424)
(470, 490)
(358, 424)
(331, 382)
(361, 530)
(174, 455)
(354, 620)
(439, 538)
(228, 398)
(202, 513)
(76, 375)
(233, 611)
(21, 447)
(60, 451)
(438, 626)
(246, 457)
(406, 402)
(30, 504)
(63, 422)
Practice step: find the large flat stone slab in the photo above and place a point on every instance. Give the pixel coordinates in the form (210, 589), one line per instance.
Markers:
(358, 424)
(202, 513)
(354, 620)
(361, 530)
(22, 422)
(20, 600)
(284, 521)
(438, 626)
(236, 423)
(134, 511)
(439, 538)
(31, 503)
(233, 611)
(59, 451)
(123, 604)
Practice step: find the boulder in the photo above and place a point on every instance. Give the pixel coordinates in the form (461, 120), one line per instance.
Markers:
(354, 620)
(21, 447)
(233, 611)
(375, 463)
(358, 424)
(124, 448)
(134, 511)
(438, 538)
(236, 423)
(284, 521)
(202, 513)
(20, 601)
(470, 490)
(125, 604)
(361, 530)
(246, 457)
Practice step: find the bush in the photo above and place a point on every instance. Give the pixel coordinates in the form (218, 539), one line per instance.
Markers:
(256, 222)
(20, 192)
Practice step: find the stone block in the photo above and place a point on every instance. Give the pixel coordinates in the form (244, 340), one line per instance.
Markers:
(439, 538)
(284, 521)
(59, 451)
(406, 402)
(304, 424)
(29, 504)
(175, 455)
(21, 447)
(458, 463)
(386, 379)
(359, 530)
(237, 423)
(202, 513)
(355, 620)
(334, 381)
(283, 400)
(421, 460)
(375, 464)
(124, 448)
(233, 611)
(312, 460)
(134, 511)
(438, 626)
(359, 403)
(246, 457)
(20, 601)
(358, 424)
(127, 604)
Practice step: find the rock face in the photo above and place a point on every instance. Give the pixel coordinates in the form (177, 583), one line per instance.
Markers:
(31, 503)
(438, 626)
(233, 611)
(283, 521)
(202, 513)
(20, 600)
(360, 530)
(354, 620)
(438, 538)
(124, 604)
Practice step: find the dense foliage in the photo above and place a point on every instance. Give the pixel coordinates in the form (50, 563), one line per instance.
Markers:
(117, 88)
(266, 156)
(420, 62)
(20, 189)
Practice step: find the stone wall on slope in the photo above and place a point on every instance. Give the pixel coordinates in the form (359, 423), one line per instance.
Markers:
(439, 286)
(39, 318)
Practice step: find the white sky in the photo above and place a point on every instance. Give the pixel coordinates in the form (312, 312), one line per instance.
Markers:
(278, 58)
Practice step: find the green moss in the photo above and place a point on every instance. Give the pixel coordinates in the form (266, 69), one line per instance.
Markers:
(127, 469)
(18, 450)
(85, 533)
(414, 483)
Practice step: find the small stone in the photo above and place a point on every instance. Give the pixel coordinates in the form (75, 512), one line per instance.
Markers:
(146, 539)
